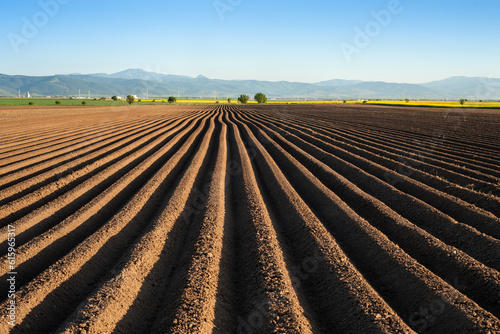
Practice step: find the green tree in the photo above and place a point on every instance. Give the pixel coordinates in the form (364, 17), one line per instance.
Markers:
(344, 101)
(172, 99)
(114, 98)
(84, 103)
(243, 98)
(229, 100)
(462, 101)
(260, 98)
(407, 100)
(58, 102)
(130, 99)
(31, 103)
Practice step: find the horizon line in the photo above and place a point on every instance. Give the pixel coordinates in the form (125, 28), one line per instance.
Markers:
(274, 81)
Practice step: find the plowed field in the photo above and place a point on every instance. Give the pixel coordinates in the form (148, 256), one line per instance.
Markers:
(250, 219)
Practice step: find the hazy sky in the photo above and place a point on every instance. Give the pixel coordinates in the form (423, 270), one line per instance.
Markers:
(309, 41)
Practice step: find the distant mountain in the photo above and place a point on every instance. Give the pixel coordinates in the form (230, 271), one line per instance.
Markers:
(467, 87)
(338, 83)
(147, 76)
(141, 83)
(372, 90)
(74, 85)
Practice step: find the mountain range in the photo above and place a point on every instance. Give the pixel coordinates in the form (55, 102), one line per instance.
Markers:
(142, 83)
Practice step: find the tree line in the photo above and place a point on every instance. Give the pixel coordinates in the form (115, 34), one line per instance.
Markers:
(259, 97)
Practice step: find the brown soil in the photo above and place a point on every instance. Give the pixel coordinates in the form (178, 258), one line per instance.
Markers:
(251, 219)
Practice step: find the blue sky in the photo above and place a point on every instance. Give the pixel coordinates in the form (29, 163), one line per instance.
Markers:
(405, 41)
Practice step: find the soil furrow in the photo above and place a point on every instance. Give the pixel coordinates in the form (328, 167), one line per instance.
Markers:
(67, 150)
(43, 250)
(148, 263)
(434, 148)
(75, 275)
(447, 262)
(462, 236)
(330, 268)
(194, 311)
(258, 218)
(48, 146)
(59, 203)
(33, 171)
(483, 201)
(69, 171)
(454, 207)
(456, 174)
(411, 278)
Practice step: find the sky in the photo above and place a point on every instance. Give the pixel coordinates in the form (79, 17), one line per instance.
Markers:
(411, 41)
